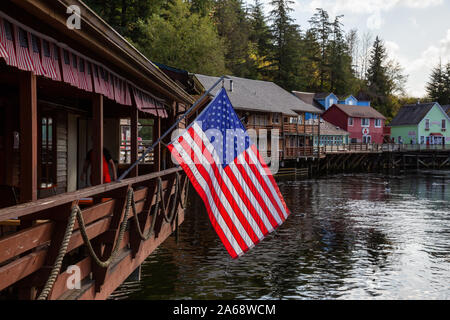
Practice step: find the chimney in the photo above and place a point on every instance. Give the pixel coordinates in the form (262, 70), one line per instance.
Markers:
(231, 85)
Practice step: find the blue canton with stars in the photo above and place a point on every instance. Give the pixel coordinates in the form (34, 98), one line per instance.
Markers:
(223, 128)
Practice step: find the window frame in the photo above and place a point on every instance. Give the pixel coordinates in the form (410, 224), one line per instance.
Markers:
(51, 169)
(375, 123)
(365, 125)
(352, 121)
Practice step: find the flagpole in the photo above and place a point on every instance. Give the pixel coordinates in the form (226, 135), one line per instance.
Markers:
(152, 147)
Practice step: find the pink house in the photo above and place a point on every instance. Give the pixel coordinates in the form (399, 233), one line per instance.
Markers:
(365, 124)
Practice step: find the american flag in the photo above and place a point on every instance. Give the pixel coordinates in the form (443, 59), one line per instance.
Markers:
(82, 74)
(7, 40)
(127, 95)
(74, 67)
(24, 61)
(66, 67)
(47, 60)
(56, 58)
(241, 196)
(88, 74)
(103, 84)
(137, 98)
(96, 78)
(35, 52)
(109, 80)
(3, 51)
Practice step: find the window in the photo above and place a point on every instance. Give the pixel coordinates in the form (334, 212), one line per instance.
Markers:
(422, 139)
(427, 124)
(350, 121)
(377, 123)
(275, 118)
(292, 120)
(444, 124)
(365, 122)
(145, 139)
(47, 177)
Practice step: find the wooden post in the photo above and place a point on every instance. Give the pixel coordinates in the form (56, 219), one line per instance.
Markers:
(28, 137)
(157, 151)
(97, 149)
(134, 140)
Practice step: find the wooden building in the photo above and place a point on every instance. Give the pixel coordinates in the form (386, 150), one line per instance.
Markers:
(65, 92)
(422, 123)
(263, 105)
(364, 123)
(331, 135)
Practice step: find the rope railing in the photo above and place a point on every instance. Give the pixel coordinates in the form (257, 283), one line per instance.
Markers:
(76, 214)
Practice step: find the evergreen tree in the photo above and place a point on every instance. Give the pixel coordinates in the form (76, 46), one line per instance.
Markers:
(436, 86)
(377, 78)
(286, 45)
(234, 27)
(321, 28)
(182, 39)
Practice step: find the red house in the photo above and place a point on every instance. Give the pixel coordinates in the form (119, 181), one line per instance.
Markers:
(365, 124)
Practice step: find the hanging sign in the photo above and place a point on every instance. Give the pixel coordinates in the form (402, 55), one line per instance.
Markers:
(365, 131)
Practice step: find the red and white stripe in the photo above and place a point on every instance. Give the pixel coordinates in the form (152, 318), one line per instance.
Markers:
(110, 85)
(47, 60)
(56, 58)
(102, 79)
(35, 51)
(88, 75)
(82, 83)
(67, 66)
(96, 79)
(128, 101)
(23, 56)
(3, 52)
(74, 68)
(7, 41)
(243, 203)
(116, 84)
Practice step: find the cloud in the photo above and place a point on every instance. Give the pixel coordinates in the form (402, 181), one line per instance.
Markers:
(374, 22)
(371, 6)
(419, 68)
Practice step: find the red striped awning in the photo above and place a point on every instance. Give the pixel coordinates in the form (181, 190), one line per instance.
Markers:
(436, 134)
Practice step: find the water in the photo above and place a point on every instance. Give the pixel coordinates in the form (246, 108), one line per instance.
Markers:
(350, 236)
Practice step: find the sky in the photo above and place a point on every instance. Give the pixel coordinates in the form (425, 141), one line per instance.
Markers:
(416, 32)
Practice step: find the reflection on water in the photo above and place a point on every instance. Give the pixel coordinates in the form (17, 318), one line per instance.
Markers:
(349, 236)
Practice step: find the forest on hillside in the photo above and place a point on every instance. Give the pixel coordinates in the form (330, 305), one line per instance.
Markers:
(236, 37)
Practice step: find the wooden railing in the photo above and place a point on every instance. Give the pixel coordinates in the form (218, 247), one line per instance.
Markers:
(296, 152)
(362, 147)
(28, 254)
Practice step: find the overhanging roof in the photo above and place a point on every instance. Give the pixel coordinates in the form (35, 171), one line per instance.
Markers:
(257, 95)
(98, 37)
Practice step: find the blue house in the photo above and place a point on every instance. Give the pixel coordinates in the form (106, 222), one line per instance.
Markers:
(325, 100)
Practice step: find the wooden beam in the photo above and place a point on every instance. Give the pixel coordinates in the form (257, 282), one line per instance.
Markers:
(134, 140)
(156, 135)
(97, 150)
(28, 137)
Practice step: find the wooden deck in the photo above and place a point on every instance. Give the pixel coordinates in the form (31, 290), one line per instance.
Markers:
(28, 254)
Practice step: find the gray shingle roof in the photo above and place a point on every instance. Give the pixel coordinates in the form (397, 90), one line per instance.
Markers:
(360, 111)
(328, 129)
(257, 95)
(309, 98)
(411, 114)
